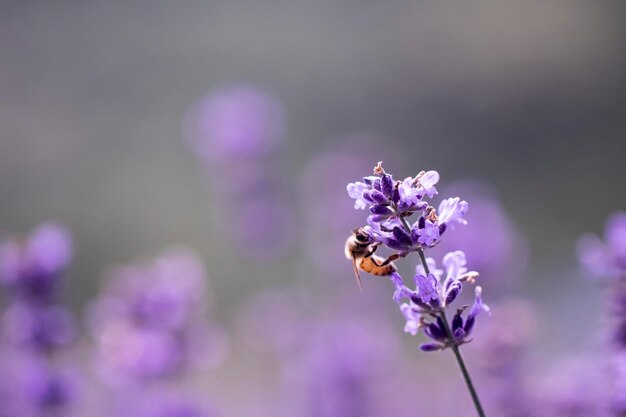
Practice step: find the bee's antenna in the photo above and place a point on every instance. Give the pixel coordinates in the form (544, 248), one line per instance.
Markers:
(356, 273)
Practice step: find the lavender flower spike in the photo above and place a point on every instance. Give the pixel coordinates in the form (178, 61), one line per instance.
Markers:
(608, 260)
(403, 220)
(433, 296)
(392, 203)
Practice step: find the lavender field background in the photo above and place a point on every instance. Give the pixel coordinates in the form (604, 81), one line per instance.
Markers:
(189, 160)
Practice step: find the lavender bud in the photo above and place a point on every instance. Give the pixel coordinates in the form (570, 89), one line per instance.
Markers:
(469, 324)
(376, 218)
(381, 210)
(394, 244)
(416, 299)
(435, 332)
(435, 304)
(457, 321)
(378, 197)
(442, 228)
(431, 347)
(396, 195)
(387, 185)
(402, 236)
(367, 196)
(421, 223)
(377, 185)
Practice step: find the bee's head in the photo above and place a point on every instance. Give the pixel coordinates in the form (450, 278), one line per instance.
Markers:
(361, 236)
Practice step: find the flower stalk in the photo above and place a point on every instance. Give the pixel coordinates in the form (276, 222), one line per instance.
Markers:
(457, 352)
(391, 205)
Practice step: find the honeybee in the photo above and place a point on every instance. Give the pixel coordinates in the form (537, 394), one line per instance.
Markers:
(360, 249)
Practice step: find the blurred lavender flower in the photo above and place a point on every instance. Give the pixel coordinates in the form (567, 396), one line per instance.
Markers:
(497, 248)
(344, 365)
(505, 339)
(236, 123)
(500, 349)
(234, 131)
(148, 321)
(35, 323)
(14, 397)
(618, 370)
(34, 268)
(574, 387)
(162, 403)
(33, 387)
(606, 259)
(38, 327)
(50, 389)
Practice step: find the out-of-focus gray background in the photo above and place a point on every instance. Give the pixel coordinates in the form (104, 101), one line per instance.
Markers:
(528, 95)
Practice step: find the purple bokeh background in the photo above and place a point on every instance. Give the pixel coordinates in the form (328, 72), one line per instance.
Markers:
(233, 128)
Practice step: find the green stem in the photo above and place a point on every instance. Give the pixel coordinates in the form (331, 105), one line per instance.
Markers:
(456, 350)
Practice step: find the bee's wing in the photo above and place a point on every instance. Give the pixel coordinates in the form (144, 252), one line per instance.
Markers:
(356, 273)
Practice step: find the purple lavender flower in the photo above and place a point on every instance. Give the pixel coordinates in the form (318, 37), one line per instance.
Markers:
(618, 386)
(575, 387)
(44, 328)
(31, 386)
(233, 131)
(391, 205)
(392, 202)
(606, 259)
(34, 268)
(148, 322)
(506, 337)
(500, 348)
(344, 364)
(348, 156)
(235, 123)
(161, 401)
(435, 292)
(51, 389)
(175, 410)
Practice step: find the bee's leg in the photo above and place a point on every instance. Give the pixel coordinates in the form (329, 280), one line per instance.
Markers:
(389, 260)
(372, 250)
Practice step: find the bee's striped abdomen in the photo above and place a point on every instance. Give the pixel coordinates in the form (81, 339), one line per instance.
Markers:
(368, 265)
